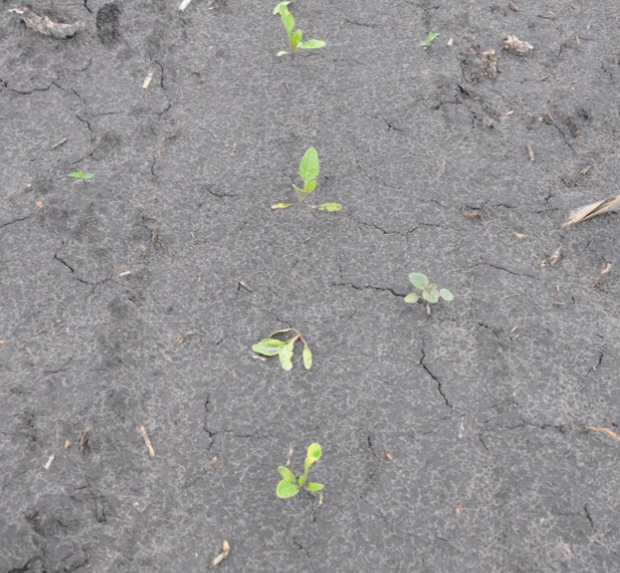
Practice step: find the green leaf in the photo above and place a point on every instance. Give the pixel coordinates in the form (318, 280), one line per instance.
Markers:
(287, 474)
(314, 453)
(81, 175)
(296, 39)
(307, 357)
(412, 298)
(281, 206)
(286, 355)
(309, 165)
(314, 486)
(312, 44)
(289, 22)
(329, 207)
(309, 186)
(446, 295)
(268, 347)
(418, 280)
(430, 38)
(282, 53)
(286, 489)
(431, 295)
(280, 7)
(301, 480)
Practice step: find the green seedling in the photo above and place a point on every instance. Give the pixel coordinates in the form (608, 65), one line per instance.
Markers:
(309, 168)
(284, 349)
(294, 38)
(290, 485)
(430, 38)
(430, 292)
(81, 176)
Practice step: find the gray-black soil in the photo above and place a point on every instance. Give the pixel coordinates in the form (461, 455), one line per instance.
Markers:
(121, 301)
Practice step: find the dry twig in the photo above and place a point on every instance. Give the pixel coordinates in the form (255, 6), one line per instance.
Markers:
(592, 210)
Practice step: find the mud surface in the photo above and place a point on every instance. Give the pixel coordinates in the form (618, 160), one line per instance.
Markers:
(121, 301)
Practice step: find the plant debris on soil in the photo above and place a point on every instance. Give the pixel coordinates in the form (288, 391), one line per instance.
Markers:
(481, 436)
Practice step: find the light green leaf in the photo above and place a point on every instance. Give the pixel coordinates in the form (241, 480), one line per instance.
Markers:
(307, 357)
(309, 186)
(412, 298)
(281, 206)
(309, 165)
(418, 280)
(286, 489)
(431, 295)
(312, 44)
(329, 207)
(296, 39)
(268, 347)
(430, 38)
(287, 474)
(446, 295)
(286, 355)
(301, 480)
(282, 53)
(314, 486)
(314, 453)
(81, 175)
(281, 6)
(289, 22)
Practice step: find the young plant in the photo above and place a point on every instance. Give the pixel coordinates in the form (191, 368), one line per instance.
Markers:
(290, 486)
(81, 176)
(309, 169)
(430, 292)
(294, 38)
(284, 349)
(430, 38)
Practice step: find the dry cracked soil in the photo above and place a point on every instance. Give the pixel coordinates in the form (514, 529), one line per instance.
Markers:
(455, 441)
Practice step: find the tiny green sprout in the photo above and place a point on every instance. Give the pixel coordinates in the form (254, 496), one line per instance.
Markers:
(309, 169)
(81, 176)
(290, 486)
(431, 293)
(294, 38)
(430, 38)
(284, 349)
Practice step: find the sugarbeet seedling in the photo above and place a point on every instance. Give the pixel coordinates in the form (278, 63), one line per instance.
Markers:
(294, 38)
(80, 175)
(290, 486)
(284, 349)
(309, 169)
(430, 38)
(431, 293)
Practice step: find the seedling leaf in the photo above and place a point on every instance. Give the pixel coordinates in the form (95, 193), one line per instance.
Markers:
(309, 165)
(286, 355)
(296, 39)
(314, 453)
(412, 298)
(287, 474)
(309, 186)
(281, 6)
(268, 347)
(430, 38)
(446, 295)
(282, 53)
(286, 489)
(307, 357)
(431, 295)
(418, 280)
(81, 175)
(329, 207)
(314, 486)
(312, 44)
(281, 206)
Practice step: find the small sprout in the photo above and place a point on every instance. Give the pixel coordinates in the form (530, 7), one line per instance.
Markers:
(81, 176)
(309, 169)
(430, 292)
(294, 38)
(284, 349)
(430, 38)
(290, 486)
